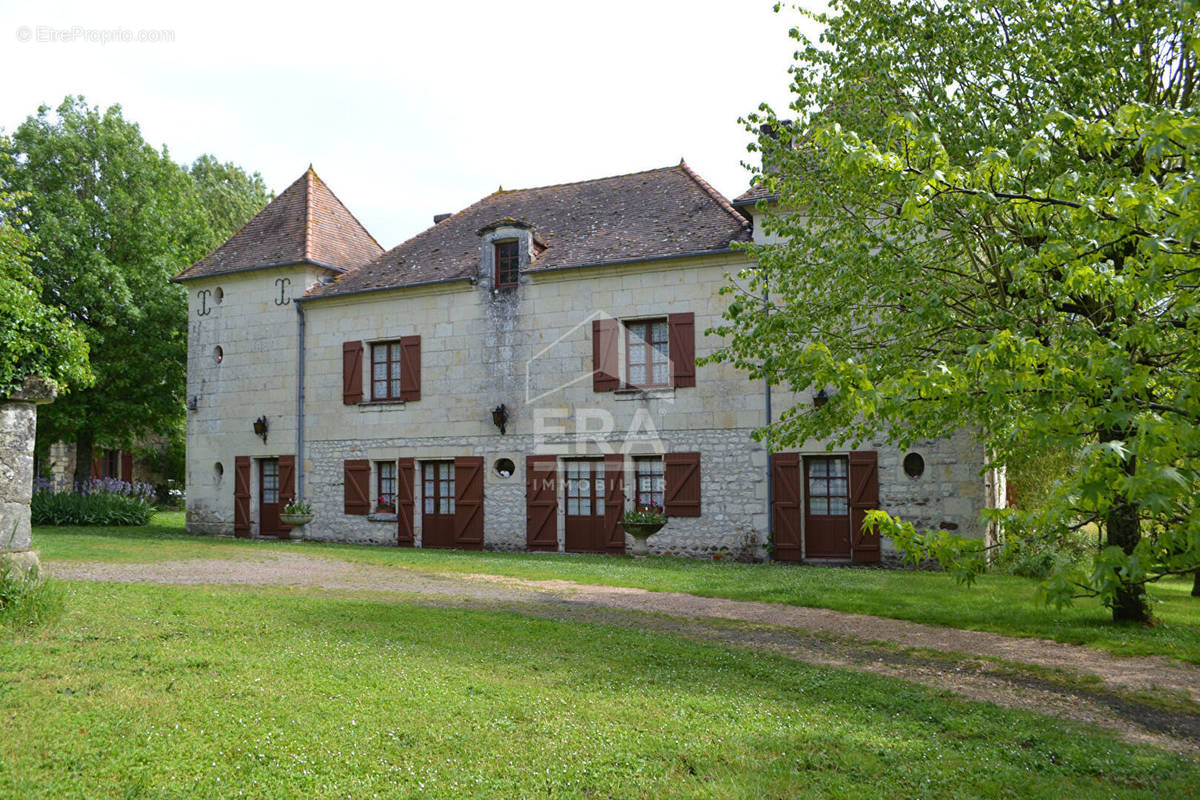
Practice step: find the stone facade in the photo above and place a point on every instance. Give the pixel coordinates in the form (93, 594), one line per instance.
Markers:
(529, 348)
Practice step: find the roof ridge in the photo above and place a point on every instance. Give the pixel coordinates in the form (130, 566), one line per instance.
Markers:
(306, 249)
(713, 193)
(589, 180)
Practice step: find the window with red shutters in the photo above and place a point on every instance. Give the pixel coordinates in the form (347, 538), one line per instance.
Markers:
(508, 264)
(682, 484)
(385, 486)
(352, 358)
(385, 370)
(357, 492)
(647, 353)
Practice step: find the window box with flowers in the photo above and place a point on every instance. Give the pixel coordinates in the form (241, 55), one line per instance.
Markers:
(642, 523)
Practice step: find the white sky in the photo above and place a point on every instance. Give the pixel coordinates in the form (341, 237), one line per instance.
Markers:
(417, 108)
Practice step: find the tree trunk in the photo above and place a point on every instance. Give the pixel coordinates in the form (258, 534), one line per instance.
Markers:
(83, 457)
(1124, 530)
(1196, 583)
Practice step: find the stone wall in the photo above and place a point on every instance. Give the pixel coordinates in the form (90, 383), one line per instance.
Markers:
(18, 427)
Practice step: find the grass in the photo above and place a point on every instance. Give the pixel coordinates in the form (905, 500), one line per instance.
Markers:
(171, 692)
(26, 599)
(999, 603)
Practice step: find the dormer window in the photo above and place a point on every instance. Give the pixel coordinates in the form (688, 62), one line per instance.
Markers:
(508, 264)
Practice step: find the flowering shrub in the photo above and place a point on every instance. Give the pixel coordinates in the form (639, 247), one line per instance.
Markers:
(100, 501)
(298, 507)
(385, 503)
(651, 514)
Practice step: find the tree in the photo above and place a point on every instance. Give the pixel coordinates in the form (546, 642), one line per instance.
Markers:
(115, 219)
(36, 340)
(991, 224)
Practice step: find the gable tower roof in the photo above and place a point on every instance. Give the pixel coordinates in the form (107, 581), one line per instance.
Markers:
(306, 223)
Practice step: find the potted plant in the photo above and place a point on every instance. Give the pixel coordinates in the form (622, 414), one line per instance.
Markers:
(642, 523)
(296, 514)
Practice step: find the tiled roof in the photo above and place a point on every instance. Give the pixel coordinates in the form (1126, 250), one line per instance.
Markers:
(305, 223)
(661, 212)
(752, 195)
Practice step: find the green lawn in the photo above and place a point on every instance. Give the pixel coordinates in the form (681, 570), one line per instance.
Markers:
(1000, 603)
(181, 692)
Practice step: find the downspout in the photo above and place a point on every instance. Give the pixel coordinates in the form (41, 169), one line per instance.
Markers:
(770, 474)
(300, 404)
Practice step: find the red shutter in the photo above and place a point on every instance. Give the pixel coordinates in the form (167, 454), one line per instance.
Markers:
(682, 477)
(605, 361)
(468, 502)
(241, 496)
(410, 367)
(352, 382)
(682, 337)
(614, 502)
(541, 503)
(126, 466)
(357, 475)
(786, 511)
(98, 467)
(864, 496)
(405, 501)
(287, 485)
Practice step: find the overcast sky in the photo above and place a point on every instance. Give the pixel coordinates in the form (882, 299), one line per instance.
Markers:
(415, 108)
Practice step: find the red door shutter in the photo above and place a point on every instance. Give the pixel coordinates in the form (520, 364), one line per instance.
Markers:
(98, 467)
(682, 338)
(614, 502)
(864, 496)
(241, 496)
(468, 502)
(605, 361)
(352, 382)
(126, 466)
(405, 501)
(786, 511)
(410, 367)
(287, 485)
(357, 474)
(541, 503)
(682, 477)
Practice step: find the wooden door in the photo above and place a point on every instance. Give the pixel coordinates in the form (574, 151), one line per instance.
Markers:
(268, 498)
(541, 503)
(826, 507)
(437, 504)
(584, 493)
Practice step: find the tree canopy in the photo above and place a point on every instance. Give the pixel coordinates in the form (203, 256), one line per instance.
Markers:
(115, 219)
(990, 223)
(36, 340)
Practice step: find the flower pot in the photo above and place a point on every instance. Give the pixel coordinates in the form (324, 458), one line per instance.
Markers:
(295, 521)
(640, 531)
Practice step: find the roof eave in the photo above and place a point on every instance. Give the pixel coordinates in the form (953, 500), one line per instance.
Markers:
(183, 277)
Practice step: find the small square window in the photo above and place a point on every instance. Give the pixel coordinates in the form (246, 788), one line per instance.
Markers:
(650, 482)
(508, 264)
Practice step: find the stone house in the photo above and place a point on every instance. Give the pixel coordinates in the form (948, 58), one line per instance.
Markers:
(514, 378)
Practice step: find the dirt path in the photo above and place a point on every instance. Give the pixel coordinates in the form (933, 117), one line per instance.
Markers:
(1044, 676)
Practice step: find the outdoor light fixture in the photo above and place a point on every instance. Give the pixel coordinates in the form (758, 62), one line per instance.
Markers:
(260, 427)
(500, 417)
(820, 399)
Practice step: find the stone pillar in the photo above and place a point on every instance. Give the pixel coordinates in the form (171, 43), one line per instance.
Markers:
(18, 425)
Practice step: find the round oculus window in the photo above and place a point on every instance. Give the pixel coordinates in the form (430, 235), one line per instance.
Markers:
(504, 467)
(914, 465)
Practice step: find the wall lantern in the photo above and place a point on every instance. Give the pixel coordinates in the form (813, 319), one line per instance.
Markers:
(500, 417)
(260, 427)
(820, 399)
